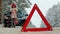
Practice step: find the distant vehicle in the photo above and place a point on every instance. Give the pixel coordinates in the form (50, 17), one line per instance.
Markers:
(22, 15)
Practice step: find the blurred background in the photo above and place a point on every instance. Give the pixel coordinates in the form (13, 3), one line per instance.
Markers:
(50, 9)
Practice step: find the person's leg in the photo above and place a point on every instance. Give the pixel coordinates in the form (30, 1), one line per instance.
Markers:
(12, 22)
(14, 19)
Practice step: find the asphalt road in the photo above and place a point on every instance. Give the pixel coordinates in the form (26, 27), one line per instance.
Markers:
(17, 30)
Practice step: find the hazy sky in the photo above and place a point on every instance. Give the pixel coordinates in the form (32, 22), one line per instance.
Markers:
(43, 5)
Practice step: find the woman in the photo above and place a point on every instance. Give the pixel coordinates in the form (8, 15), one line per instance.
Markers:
(14, 14)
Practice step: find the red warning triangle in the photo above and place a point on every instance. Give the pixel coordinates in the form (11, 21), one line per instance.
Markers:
(24, 29)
